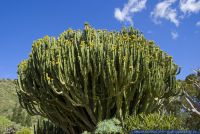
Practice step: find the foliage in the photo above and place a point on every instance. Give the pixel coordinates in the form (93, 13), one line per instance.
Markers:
(10, 108)
(193, 121)
(13, 117)
(4, 124)
(110, 126)
(18, 114)
(25, 131)
(8, 97)
(86, 132)
(175, 105)
(189, 87)
(47, 127)
(28, 121)
(7, 126)
(82, 78)
(153, 121)
(10, 130)
(191, 100)
(21, 116)
(180, 107)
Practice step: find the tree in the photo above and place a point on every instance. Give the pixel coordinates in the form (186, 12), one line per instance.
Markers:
(194, 102)
(191, 100)
(82, 78)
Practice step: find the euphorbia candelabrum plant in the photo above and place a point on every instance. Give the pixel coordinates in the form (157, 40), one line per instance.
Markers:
(86, 76)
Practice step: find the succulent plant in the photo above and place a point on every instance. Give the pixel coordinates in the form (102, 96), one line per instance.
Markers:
(84, 77)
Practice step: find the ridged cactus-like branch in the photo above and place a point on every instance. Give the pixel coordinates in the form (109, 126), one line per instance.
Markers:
(46, 127)
(86, 76)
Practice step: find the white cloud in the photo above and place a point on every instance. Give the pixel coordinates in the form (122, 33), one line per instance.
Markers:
(129, 9)
(189, 6)
(174, 35)
(198, 24)
(163, 10)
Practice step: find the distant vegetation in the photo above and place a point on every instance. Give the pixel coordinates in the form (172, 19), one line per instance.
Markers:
(12, 117)
(8, 97)
(15, 119)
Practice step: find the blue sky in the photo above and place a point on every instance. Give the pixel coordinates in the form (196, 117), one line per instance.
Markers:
(173, 24)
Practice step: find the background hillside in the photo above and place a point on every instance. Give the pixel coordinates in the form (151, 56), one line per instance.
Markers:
(12, 116)
(8, 97)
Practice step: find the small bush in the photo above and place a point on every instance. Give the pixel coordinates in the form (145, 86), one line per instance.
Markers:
(4, 124)
(111, 126)
(9, 127)
(25, 131)
(154, 121)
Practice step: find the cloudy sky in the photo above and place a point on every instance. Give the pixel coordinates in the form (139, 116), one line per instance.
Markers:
(173, 24)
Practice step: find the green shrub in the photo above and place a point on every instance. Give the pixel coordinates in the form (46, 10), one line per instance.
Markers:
(9, 127)
(111, 126)
(154, 121)
(25, 131)
(86, 132)
(4, 124)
